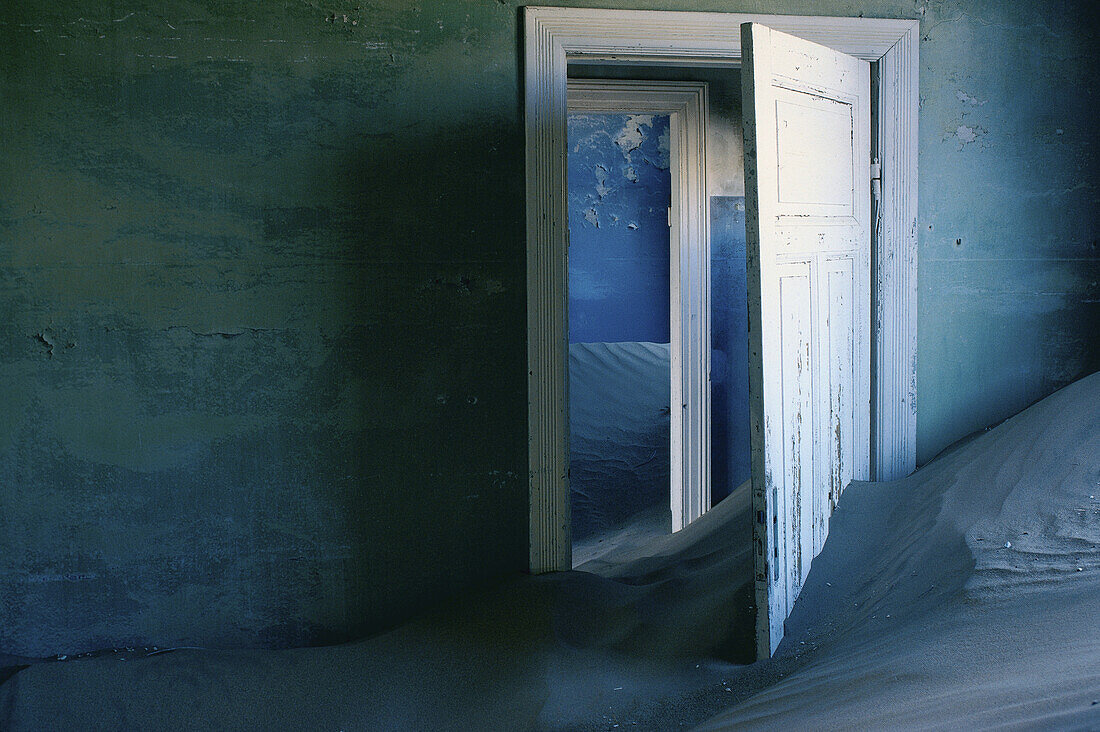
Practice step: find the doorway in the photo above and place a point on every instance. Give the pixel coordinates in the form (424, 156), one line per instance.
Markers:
(620, 193)
(667, 288)
(620, 461)
(555, 35)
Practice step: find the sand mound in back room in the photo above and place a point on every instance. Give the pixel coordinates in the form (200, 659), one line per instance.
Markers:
(966, 595)
(619, 435)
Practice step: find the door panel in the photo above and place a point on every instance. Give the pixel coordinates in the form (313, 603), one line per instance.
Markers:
(796, 374)
(807, 147)
(813, 133)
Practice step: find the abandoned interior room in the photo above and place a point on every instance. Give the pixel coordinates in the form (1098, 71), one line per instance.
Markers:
(469, 364)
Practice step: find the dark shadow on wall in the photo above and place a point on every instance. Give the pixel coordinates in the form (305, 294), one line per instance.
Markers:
(324, 430)
(425, 382)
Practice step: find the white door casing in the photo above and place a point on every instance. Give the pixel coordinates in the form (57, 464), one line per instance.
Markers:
(689, 279)
(807, 115)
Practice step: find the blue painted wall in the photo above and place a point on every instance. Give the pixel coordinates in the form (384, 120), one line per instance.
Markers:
(619, 191)
(729, 338)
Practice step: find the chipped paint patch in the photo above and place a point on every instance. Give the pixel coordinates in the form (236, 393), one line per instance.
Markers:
(663, 147)
(967, 99)
(631, 136)
(602, 189)
(966, 134)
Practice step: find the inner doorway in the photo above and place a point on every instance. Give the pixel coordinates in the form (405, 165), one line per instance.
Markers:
(620, 193)
(632, 326)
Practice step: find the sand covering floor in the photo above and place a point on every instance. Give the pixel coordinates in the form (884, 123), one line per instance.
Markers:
(964, 596)
(619, 428)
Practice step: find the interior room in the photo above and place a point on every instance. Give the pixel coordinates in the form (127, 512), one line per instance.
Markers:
(619, 293)
(619, 369)
(304, 394)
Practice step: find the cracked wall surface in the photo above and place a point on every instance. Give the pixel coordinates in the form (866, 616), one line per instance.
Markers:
(339, 188)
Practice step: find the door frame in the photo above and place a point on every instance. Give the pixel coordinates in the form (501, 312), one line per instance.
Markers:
(687, 104)
(552, 37)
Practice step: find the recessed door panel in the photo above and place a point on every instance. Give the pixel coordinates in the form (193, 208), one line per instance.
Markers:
(814, 134)
(796, 377)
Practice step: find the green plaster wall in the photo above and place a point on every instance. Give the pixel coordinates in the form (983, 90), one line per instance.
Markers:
(262, 330)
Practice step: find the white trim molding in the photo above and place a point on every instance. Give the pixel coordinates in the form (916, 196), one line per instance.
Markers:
(894, 266)
(552, 36)
(687, 105)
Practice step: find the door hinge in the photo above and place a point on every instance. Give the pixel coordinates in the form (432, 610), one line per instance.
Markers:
(876, 191)
(670, 217)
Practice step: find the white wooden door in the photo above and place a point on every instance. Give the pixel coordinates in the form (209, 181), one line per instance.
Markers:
(807, 175)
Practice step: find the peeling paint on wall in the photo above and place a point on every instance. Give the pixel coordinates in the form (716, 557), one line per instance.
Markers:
(967, 134)
(620, 188)
(967, 99)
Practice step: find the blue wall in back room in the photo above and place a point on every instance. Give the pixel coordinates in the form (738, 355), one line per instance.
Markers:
(729, 338)
(619, 190)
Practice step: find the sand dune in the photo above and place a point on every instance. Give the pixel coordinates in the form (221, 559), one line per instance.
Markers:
(618, 432)
(965, 596)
